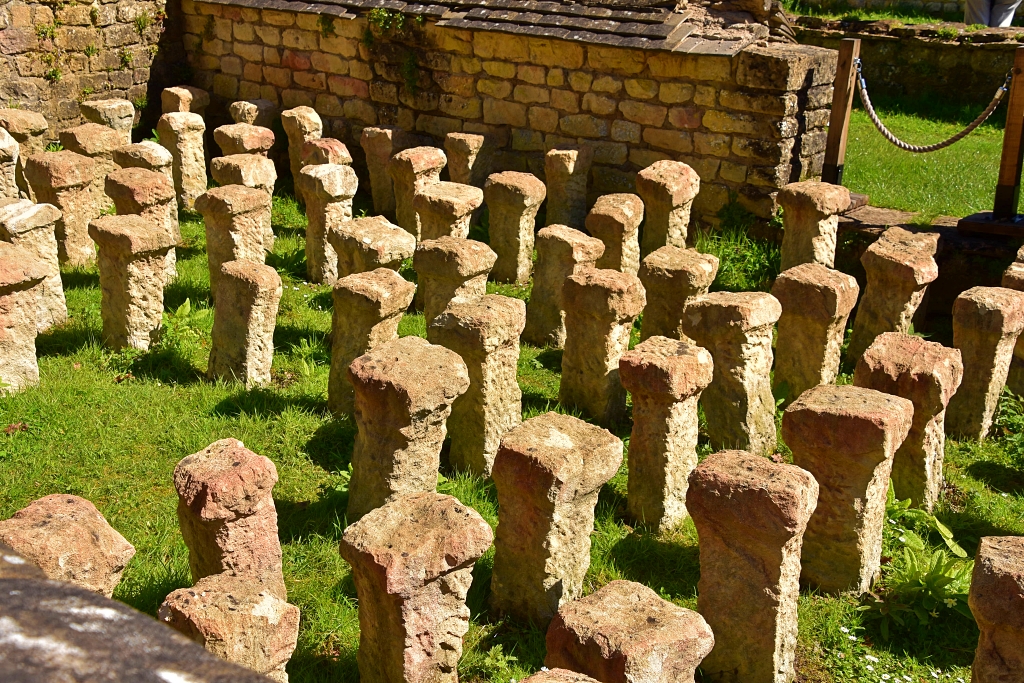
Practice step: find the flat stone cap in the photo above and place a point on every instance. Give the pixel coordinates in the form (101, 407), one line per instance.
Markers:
(257, 277)
(1013, 278)
(815, 197)
(448, 199)
(466, 143)
(428, 376)
(671, 180)
(848, 420)
(225, 480)
(912, 253)
(568, 160)
(994, 309)
(616, 212)
(9, 147)
(558, 676)
(416, 161)
(22, 215)
(15, 566)
(140, 185)
(812, 290)
(511, 187)
(109, 112)
(303, 119)
(597, 290)
(19, 268)
(243, 169)
(897, 355)
(146, 154)
(383, 291)
(453, 257)
(697, 270)
(746, 310)
(491, 320)
(233, 200)
(22, 123)
(330, 182)
(325, 151)
(183, 98)
(59, 170)
(180, 122)
(91, 139)
(378, 137)
(416, 539)
(997, 585)
(251, 138)
(374, 233)
(660, 365)
(256, 112)
(582, 247)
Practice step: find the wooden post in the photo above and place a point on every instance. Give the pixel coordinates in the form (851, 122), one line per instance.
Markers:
(1008, 186)
(839, 120)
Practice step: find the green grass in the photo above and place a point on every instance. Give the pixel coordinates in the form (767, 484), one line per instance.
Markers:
(838, 9)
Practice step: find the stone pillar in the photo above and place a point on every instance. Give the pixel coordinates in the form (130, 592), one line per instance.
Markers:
(365, 244)
(242, 343)
(997, 602)
(411, 171)
(9, 153)
(243, 138)
(236, 220)
(98, 143)
(565, 174)
(810, 215)
(251, 170)
(548, 473)
(816, 302)
(451, 269)
(254, 112)
(665, 378)
(986, 324)
(21, 273)
(301, 125)
(404, 391)
(485, 333)
(32, 227)
(182, 134)
(1013, 278)
(927, 374)
(132, 265)
(513, 200)
(64, 179)
(29, 129)
(561, 252)
(737, 329)
(368, 308)
(148, 155)
(466, 165)
(899, 266)
(325, 151)
(668, 189)
(672, 277)
(751, 515)
(184, 98)
(116, 114)
(615, 220)
(328, 189)
(378, 145)
(151, 195)
(846, 438)
(412, 561)
(227, 516)
(627, 633)
(445, 209)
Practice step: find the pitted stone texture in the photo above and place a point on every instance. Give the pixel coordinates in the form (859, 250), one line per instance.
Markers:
(751, 515)
(379, 144)
(251, 170)
(21, 276)
(513, 200)
(1013, 278)
(227, 516)
(301, 125)
(548, 473)
(412, 561)
(997, 602)
(237, 219)
(615, 220)
(98, 143)
(242, 343)
(182, 134)
(811, 219)
(404, 392)
(184, 98)
(546, 675)
(665, 378)
(14, 566)
(846, 437)
(672, 276)
(9, 156)
(561, 252)
(927, 374)
(243, 138)
(445, 209)
(237, 619)
(565, 174)
(325, 151)
(737, 329)
(626, 633)
(411, 170)
(116, 114)
(368, 308)
(451, 269)
(253, 112)
(816, 302)
(29, 129)
(328, 189)
(468, 162)
(668, 189)
(485, 333)
(64, 179)
(899, 267)
(986, 324)
(133, 266)
(151, 195)
(68, 538)
(148, 155)
(32, 227)
(364, 244)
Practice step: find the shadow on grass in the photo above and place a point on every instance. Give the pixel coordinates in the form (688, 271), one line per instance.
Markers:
(80, 279)
(67, 339)
(950, 642)
(666, 566)
(148, 593)
(292, 263)
(290, 339)
(167, 365)
(331, 445)
(181, 289)
(323, 517)
(1000, 478)
(264, 402)
(312, 665)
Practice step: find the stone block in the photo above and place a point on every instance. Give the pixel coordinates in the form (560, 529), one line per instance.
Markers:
(242, 342)
(325, 151)
(566, 172)
(466, 164)
(411, 170)
(668, 189)
(329, 189)
(236, 218)
(182, 134)
(811, 218)
(997, 603)
(149, 194)
(146, 154)
(32, 227)
(513, 200)
(615, 220)
(301, 125)
(113, 113)
(365, 244)
(451, 269)
(184, 98)
(445, 209)
(243, 138)
(672, 277)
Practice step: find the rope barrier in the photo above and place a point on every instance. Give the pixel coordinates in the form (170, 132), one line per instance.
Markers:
(862, 90)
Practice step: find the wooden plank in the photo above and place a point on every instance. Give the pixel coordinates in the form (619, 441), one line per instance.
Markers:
(839, 119)
(986, 223)
(1008, 186)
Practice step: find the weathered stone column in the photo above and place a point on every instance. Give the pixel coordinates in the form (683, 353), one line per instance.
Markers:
(548, 473)
(242, 343)
(151, 195)
(182, 134)
(257, 112)
(301, 125)
(927, 374)
(899, 267)
(485, 333)
(445, 209)
(665, 378)
(1013, 278)
(565, 174)
(243, 138)
(986, 324)
(325, 151)
(846, 438)
(627, 633)
(148, 155)
(668, 189)
(251, 170)
(737, 329)
(364, 244)
(751, 515)
(98, 143)
(29, 129)
(561, 252)
(513, 200)
(227, 516)
(132, 265)
(378, 145)
(615, 220)
(412, 562)
(21, 273)
(184, 98)
(997, 602)
(368, 308)
(329, 189)
(404, 392)
(672, 277)
(810, 215)
(115, 113)
(816, 302)
(451, 269)
(236, 219)
(9, 155)
(411, 171)
(466, 164)
(31, 227)
(64, 179)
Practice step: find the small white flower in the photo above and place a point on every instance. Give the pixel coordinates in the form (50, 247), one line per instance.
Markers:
(871, 658)
(1004, 495)
(935, 674)
(844, 629)
(907, 678)
(885, 677)
(869, 667)
(892, 521)
(543, 668)
(852, 637)
(903, 539)
(295, 288)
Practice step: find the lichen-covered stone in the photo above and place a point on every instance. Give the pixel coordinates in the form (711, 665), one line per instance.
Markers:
(811, 219)
(378, 144)
(257, 112)
(328, 189)
(672, 276)
(243, 138)
(236, 219)
(242, 342)
(21, 275)
(615, 220)
(997, 603)
(513, 200)
(64, 179)
(365, 244)
(32, 227)
(98, 143)
(251, 170)
(451, 269)
(565, 174)
(445, 209)
(411, 170)
(182, 134)
(668, 189)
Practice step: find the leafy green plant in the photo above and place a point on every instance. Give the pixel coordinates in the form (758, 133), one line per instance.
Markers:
(1009, 424)
(55, 147)
(125, 57)
(142, 21)
(47, 31)
(140, 102)
(947, 33)
(91, 50)
(94, 15)
(410, 71)
(744, 263)
(53, 74)
(326, 25)
(184, 328)
(208, 30)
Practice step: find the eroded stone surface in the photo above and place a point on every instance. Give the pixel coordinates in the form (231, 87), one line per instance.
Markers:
(378, 144)
(114, 113)
(98, 143)
(242, 342)
(446, 209)
(668, 189)
(243, 138)
(64, 180)
(325, 151)
(236, 219)
(411, 170)
(184, 98)
(1013, 278)
(9, 156)
(329, 189)
(33, 228)
(21, 275)
(251, 170)
(182, 134)
(546, 675)
(151, 195)
(364, 244)
(811, 218)
(468, 162)
(301, 125)
(28, 128)
(565, 174)
(256, 112)
(615, 220)
(147, 154)
(672, 276)
(451, 269)
(997, 602)
(513, 200)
